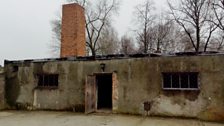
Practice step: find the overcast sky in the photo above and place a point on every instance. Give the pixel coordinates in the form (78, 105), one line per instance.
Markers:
(25, 29)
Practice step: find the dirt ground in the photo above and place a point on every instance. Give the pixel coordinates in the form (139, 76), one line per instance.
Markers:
(43, 118)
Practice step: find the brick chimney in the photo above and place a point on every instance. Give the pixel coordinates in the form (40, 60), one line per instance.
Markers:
(73, 41)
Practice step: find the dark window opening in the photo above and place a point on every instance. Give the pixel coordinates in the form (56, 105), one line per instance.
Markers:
(193, 80)
(48, 80)
(15, 68)
(181, 81)
(175, 81)
(104, 91)
(166, 80)
(184, 80)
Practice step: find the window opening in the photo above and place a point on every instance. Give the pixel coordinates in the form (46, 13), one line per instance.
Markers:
(181, 81)
(48, 80)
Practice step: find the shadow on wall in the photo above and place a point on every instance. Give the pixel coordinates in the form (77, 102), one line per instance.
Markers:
(2, 87)
(12, 87)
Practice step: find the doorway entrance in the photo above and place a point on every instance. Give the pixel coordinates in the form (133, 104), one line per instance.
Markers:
(104, 91)
(101, 92)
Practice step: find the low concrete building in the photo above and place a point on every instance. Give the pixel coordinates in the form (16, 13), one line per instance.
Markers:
(177, 86)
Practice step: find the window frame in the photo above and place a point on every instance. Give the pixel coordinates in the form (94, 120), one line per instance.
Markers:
(49, 77)
(180, 85)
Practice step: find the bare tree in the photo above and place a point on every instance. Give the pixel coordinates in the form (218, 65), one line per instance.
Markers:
(145, 40)
(168, 37)
(217, 43)
(161, 35)
(98, 16)
(56, 36)
(108, 41)
(218, 8)
(194, 15)
(220, 42)
(127, 45)
(145, 18)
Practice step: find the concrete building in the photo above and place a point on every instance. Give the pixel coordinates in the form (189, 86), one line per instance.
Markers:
(176, 85)
(179, 86)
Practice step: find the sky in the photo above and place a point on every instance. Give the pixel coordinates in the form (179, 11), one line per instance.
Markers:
(25, 28)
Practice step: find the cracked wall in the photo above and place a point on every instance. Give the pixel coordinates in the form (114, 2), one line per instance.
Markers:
(139, 80)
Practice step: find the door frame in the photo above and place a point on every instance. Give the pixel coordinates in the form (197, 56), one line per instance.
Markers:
(114, 92)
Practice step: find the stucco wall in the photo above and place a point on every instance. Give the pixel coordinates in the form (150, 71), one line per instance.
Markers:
(2, 90)
(139, 80)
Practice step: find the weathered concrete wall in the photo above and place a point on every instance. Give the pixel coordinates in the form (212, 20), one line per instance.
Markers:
(139, 80)
(2, 89)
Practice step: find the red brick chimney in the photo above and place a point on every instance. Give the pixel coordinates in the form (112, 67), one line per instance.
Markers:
(73, 41)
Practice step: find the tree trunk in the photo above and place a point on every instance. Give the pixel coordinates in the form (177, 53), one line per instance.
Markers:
(198, 38)
(158, 46)
(93, 51)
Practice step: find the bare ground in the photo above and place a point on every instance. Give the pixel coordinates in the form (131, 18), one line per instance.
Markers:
(45, 118)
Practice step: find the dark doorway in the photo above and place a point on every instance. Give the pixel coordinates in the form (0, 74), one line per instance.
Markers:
(104, 92)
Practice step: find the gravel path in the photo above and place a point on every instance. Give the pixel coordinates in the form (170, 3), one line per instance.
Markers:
(43, 118)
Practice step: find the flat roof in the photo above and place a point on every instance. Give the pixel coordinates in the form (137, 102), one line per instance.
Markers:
(115, 56)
